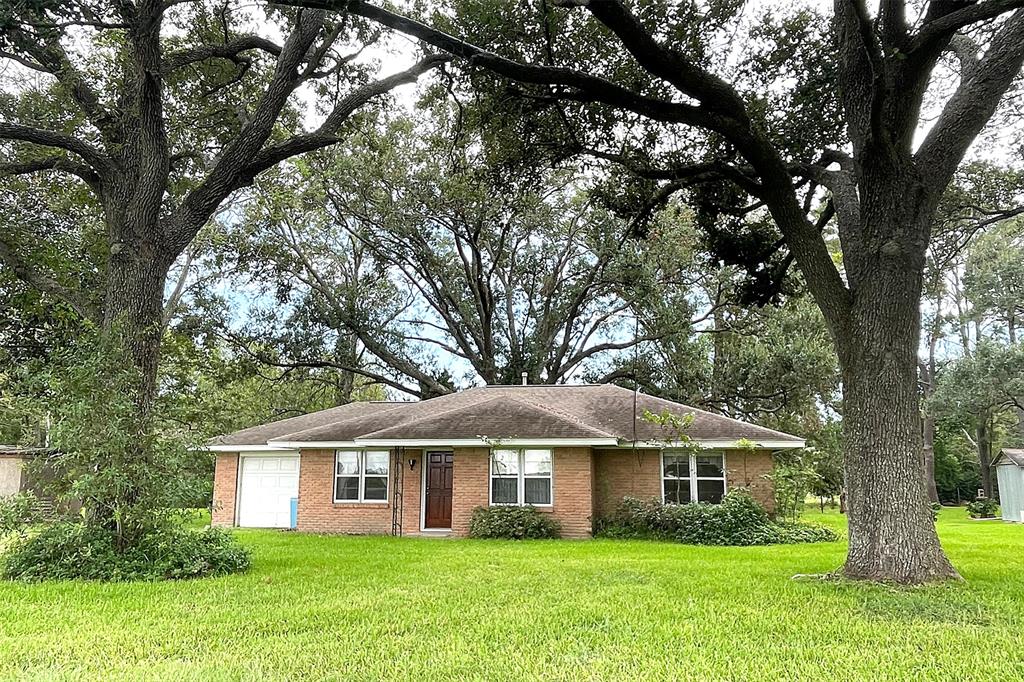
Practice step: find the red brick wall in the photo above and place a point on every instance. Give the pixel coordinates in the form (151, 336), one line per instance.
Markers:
(318, 512)
(411, 482)
(225, 483)
(625, 473)
(572, 481)
(574, 491)
(747, 469)
(470, 481)
(585, 487)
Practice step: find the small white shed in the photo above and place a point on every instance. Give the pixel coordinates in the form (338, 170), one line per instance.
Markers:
(1010, 472)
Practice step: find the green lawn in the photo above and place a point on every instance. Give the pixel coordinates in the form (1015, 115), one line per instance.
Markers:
(386, 608)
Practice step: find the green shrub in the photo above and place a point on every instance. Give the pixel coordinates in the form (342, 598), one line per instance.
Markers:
(18, 511)
(792, 482)
(790, 533)
(983, 508)
(738, 520)
(72, 551)
(512, 523)
(936, 508)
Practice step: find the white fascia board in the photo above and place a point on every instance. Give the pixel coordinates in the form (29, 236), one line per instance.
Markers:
(449, 442)
(311, 445)
(720, 444)
(475, 442)
(249, 448)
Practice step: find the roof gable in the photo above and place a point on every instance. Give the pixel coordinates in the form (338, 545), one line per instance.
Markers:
(1010, 456)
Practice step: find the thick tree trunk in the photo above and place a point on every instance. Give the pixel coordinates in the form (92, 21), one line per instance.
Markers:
(134, 311)
(892, 533)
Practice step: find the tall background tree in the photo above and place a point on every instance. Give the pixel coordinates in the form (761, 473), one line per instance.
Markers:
(433, 258)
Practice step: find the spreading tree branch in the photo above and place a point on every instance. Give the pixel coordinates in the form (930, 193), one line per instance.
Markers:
(325, 135)
(43, 282)
(57, 163)
(228, 50)
(943, 26)
(585, 86)
(973, 103)
(52, 138)
(719, 113)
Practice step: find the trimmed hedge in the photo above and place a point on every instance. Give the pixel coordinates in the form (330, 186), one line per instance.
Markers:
(74, 551)
(739, 520)
(512, 523)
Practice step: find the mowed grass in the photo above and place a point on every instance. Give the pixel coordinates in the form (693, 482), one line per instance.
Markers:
(369, 608)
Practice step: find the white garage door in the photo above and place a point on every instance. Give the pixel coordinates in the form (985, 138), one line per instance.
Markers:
(266, 488)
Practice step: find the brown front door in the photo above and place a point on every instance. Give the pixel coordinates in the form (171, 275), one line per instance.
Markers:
(439, 490)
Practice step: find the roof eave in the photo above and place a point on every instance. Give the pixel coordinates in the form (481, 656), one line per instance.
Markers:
(291, 446)
(449, 442)
(263, 447)
(718, 444)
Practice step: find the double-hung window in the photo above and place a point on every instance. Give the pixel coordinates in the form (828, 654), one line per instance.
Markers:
(361, 476)
(690, 477)
(521, 477)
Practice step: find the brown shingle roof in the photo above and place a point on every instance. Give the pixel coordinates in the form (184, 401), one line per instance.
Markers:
(496, 417)
(496, 412)
(259, 435)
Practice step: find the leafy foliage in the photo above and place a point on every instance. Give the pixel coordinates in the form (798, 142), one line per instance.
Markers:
(738, 520)
(17, 511)
(419, 242)
(994, 281)
(127, 476)
(990, 379)
(792, 481)
(512, 523)
(957, 475)
(74, 551)
(983, 508)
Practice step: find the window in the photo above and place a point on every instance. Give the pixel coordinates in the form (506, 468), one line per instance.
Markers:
(521, 477)
(361, 476)
(692, 477)
(677, 478)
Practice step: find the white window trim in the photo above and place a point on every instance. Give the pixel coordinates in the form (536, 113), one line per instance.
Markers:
(693, 478)
(521, 479)
(362, 479)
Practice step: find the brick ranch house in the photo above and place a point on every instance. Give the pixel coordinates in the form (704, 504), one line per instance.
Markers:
(421, 468)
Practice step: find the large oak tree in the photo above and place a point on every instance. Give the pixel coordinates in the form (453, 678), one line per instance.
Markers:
(647, 63)
(163, 110)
